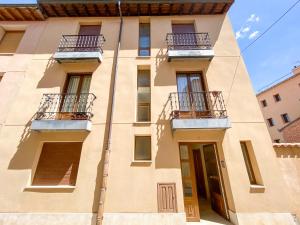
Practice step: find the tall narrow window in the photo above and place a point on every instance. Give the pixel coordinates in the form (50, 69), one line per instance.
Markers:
(285, 118)
(144, 39)
(248, 163)
(142, 151)
(277, 98)
(271, 122)
(143, 96)
(264, 103)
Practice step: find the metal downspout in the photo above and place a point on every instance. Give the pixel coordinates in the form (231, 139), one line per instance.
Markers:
(107, 140)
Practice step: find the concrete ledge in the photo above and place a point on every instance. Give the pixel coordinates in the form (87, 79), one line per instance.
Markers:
(201, 54)
(47, 218)
(201, 123)
(61, 125)
(74, 56)
(144, 219)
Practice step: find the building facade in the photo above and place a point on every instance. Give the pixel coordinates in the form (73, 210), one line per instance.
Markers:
(131, 113)
(280, 105)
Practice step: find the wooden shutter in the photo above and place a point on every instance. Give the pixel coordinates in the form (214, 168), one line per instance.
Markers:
(89, 30)
(58, 164)
(10, 41)
(166, 197)
(183, 28)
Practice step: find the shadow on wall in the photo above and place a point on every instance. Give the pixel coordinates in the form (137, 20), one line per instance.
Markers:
(165, 157)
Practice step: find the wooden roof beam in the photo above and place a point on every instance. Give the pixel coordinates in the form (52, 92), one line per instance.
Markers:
(191, 8)
(56, 13)
(96, 9)
(16, 13)
(212, 11)
(66, 11)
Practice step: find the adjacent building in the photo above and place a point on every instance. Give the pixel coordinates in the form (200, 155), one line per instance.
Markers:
(132, 112)
(280, 105)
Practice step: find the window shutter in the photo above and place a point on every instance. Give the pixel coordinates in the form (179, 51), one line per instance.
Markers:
(58, 164)
(166, 197)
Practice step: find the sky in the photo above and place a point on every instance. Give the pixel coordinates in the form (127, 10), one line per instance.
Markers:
(277, 52)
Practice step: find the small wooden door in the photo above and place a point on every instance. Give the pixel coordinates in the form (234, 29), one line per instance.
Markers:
(88, 37)
(214, 179)
(166, 197)
(189, 183)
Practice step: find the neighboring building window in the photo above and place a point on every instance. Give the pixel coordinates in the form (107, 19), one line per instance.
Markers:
(142, 151)
(264, 103)
(143, 96)
(248, 163)
(144, 39)
(58, 164)
(277, 98)
(285, 118)
(1, 76)
(10, 41)
(277, 140)
(271, 122)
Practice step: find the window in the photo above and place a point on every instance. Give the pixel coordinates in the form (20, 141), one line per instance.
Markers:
(142, 151)
(277, 140)
(271, 122)
(58, 164)
(264, 103)
(143, 96)
(144, 40)
(248, 163)
(10, 41)
(277, 98)
(285, 118)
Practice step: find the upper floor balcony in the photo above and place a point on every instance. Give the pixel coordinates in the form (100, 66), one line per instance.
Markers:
(80, 47)
(189, 46)
(198, 110)
(64, 112)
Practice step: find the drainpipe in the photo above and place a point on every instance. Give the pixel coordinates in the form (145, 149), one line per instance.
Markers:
(107, 138)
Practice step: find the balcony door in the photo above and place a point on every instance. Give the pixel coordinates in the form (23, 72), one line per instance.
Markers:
(88, 37)
(75, 97)
(184, 36)
(192, 96)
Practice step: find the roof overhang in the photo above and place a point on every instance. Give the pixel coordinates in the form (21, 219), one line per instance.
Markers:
(109, 8)
(20, 12)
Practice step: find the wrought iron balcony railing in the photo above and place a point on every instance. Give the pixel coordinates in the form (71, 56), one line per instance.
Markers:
(197, 105)
(66, 107)
(188, 41)
(81, 43)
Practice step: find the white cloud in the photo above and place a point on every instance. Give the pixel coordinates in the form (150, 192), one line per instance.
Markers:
(253, 35)
(238, 35)
(246, 29)
(253, 18)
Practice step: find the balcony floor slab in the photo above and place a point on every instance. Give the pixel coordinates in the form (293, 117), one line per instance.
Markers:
(206, 123)
(76, 56)
(193, 54)
(61, 125)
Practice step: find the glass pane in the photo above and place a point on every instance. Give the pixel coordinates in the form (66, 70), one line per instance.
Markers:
(185, 169)
(187, 189)
(144, 95)
(142, 148)
(143, 78)
(144, 52)
(143, 113)
(184, 152)
(144, 40)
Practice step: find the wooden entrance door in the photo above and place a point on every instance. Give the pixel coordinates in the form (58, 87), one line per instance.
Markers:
(192, 97)
(214, 179)
(184, 37)
(189, 183)
(88, 37)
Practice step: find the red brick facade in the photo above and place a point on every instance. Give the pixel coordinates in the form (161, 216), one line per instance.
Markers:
(291, 133)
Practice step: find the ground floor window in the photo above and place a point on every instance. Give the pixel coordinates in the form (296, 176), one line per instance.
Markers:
(58, 164)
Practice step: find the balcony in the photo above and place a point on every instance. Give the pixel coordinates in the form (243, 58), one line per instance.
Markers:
(198, 110)
(74, 48)
(189, 46)
(64, 112)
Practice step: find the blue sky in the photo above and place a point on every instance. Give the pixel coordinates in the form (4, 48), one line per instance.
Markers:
(277, 52)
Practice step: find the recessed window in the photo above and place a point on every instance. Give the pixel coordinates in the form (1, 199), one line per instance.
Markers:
(144, 39)
(248, 163)
(277, 98)
(143, 96)
(285, 118)
(10, 41)
(271, 122)
(264, 103)
(142, 151)
(277, 140)
(58, 164)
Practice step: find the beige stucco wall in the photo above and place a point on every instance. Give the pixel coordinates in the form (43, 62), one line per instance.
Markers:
(289, 92)
(131, 186)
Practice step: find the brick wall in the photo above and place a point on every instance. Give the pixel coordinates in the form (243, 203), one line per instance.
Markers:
(291, 133)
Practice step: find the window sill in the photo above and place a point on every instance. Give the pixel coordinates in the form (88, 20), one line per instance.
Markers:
(143, 57)
(7, 54)
(56, 187)
(141, 163)
(142, 123)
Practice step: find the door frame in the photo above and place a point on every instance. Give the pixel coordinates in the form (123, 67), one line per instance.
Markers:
(222, 186)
